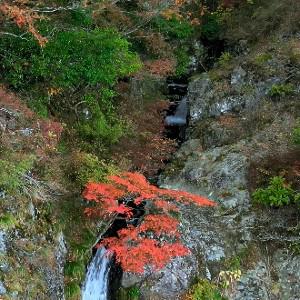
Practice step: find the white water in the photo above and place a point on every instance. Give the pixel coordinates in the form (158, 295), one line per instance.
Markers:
(96, 282)
(180, 116)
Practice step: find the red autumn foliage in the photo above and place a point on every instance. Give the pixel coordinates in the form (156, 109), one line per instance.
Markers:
(148, 149)
(161, 67)
(155, 239)
(51, 132)
(23, 16)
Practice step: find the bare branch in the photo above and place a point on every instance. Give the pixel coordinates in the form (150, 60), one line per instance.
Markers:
(14, 35)
(55, 9)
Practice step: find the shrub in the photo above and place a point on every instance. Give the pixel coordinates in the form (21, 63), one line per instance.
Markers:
(174, 27)
(86, 167)
(75, 58)
(224, 59)
(205, 290)
(11, 173)
(277, 194)
(70, 59)
(183, 61)
(262, 58)
(102, 122)
(211, 27)
(72, 290)
(89, 61)
(281, 90)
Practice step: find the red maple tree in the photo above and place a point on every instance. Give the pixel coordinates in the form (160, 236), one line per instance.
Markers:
(151, 240)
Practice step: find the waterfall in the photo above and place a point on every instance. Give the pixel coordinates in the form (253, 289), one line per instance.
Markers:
(96, 285)
(180, 116)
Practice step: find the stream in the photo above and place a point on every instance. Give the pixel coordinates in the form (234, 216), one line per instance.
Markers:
(96, 285)
(98, 278)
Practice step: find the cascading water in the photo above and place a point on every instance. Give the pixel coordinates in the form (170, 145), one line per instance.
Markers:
(180, 116)
(96, 285)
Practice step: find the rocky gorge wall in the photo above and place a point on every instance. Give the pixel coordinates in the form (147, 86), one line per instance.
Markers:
(236, 125)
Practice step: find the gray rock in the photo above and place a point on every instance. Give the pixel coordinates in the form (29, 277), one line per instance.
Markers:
(2, 289)
(288, 270)
(253, 285)
(238, 77)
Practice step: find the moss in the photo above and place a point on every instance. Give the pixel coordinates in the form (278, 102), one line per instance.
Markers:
(86, 167)
(132, 293)
(176, 166)
(205, 290)
(72, 290)
(12, 170)
(75, 269)
(8, 221)
(262, 58)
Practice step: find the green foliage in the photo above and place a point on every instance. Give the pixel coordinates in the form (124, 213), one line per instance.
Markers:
(296, 134)
(73, 60)
(86, 167)
(103, 124)
(211, 26)
(75, 269)
(281, 90)
(183, 61)
(294, 247)
(40, 106)
(174, 27)
(224, 59)
(262, 58)
(133, 293)
(11, 173)
(205, 290)
(70, 59)
(277, 194)
(7, 221)
(72, 290)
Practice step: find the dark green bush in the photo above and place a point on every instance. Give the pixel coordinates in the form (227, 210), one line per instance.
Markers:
(183, 61)
(277, 194)
(174, 28)
(72, 61)
(211, 27)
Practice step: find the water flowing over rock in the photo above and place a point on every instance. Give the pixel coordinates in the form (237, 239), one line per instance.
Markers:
(97, 279)
(180, 116)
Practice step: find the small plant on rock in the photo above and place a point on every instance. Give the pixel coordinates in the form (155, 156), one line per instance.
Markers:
(277, 194)
(281, 90)
(205, 290)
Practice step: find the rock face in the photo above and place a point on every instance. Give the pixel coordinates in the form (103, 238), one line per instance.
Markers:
(231, 130)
